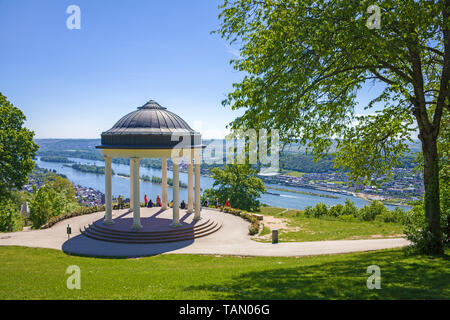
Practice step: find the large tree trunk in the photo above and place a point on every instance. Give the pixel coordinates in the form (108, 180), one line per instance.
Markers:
(432, 203)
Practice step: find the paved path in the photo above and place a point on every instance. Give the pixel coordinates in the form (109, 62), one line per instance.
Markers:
(231, 239)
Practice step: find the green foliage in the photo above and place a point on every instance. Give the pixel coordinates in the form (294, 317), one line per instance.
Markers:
(348, 212)
(395, 216)
(254, 222)
(56, 150)
(304, 63)
(305, 163)
(56, 159)
(368, 213)
(10, 218)
(320, 210)
(416, 226)
(306, 60)
(336, 210)
(17, 148)
(61, 185)
(89, 168)
(77, 212)
(416, 230)
(41, 207)
(52, 199)
(237, 183)
(349, 208)
(444, 176)
(348, 218)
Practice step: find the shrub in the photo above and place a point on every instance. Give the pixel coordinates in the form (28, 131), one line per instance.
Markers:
(10, 218)
(254, 228)
(41, 208)
(395, 216)
(308, 211)
(349, 212)
(368, 213)
(52, 199)
(254, 222)
(349, 208)
(416, 230)
(336, 211)
(320, 210)
(347, 217)
(78, 212)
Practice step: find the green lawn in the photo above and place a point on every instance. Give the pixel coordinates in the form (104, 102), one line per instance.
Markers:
(302, 228)
(30, 273)
(297, 174)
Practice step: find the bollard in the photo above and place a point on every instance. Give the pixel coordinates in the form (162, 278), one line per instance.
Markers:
(69, 232)
(275, 236)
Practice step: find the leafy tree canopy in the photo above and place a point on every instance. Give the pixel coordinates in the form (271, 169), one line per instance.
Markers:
(17, 148)
(239, 183)
(305, 61)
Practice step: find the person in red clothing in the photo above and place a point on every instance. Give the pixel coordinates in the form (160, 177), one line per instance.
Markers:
(145, 200)
(216, 203)
(158, 201)
(227, 203)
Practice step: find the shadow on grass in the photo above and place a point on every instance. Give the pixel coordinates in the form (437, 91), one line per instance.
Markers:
(402, 277)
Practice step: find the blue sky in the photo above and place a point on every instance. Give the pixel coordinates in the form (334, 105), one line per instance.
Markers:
(78, 83)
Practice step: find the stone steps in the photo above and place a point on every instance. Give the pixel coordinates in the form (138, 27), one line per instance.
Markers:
(104, 228)
(97, 232)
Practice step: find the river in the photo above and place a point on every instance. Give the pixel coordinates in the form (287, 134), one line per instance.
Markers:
(121, 186)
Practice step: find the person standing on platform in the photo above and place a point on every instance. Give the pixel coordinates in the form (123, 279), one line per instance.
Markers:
(158, 201)
(120, 202)
(145, 199)
(216, 203)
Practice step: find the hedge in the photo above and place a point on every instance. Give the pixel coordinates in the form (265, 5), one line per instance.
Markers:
(78, 212)
(254, 222)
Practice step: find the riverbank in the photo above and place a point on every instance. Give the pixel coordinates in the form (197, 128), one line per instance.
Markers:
(304, 192)
(121, 186)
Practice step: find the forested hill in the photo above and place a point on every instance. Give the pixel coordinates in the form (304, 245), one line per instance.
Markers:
(295, 161)
(75, 148)
(67, 144)
(301, 162)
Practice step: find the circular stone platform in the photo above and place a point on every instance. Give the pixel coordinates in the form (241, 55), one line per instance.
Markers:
(155, 227)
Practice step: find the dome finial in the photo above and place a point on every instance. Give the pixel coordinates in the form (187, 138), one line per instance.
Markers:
(152, 104)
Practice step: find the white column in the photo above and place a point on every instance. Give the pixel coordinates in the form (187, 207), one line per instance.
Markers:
(164, 183)
(197, 190)
(131, 185)
(136, 196)
(176, 196)
(190, 188)
(108, 191)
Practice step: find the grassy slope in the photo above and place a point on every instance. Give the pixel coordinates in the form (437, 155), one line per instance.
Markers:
(30, 273)
(313, 229)
(297, 174)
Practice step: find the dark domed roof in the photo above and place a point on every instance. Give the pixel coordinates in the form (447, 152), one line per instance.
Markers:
(149, 127)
